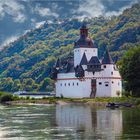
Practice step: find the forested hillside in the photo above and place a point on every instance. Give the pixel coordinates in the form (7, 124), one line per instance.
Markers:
(25, 64)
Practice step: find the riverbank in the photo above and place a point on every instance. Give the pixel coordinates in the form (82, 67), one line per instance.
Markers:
(87, 101)
(10, 99)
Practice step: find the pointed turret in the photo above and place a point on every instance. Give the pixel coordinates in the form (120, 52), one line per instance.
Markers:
(84, 60)
(58, 63)
(107, 58)
(79, 71)
(94, 64)
(94, 61)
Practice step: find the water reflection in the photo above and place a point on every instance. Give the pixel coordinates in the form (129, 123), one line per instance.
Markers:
(68, 122)
(90, 122)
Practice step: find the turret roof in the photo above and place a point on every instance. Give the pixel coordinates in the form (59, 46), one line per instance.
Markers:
(58, 63)
(107, 58)
(84, 60)
(94, 61)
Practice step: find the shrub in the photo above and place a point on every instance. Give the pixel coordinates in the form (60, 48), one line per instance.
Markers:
(28, 98)
(6, 97)
(137, 101)
(16, 97)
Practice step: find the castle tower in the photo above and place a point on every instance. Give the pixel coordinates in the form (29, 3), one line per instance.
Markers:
(84, 75)
(112, 81)
(84, 45)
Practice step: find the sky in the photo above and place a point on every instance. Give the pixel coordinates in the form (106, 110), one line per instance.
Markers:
(19, 16)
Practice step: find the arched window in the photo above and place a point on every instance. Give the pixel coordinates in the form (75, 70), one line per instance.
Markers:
(69, 84)
(77, 84)
(65, 84)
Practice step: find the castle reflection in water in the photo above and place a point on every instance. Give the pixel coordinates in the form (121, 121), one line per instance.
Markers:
(91, 122)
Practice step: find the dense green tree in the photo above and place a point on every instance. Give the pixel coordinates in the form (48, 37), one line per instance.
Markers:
(6, 84)
(47, 85)
(16, 85)
(130, 70)
(29, 84)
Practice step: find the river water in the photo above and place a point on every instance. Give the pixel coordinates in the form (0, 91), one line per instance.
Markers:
(68, 122)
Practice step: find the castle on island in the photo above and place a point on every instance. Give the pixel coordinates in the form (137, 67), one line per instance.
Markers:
(84, 75)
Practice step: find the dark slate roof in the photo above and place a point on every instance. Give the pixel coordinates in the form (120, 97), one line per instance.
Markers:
(107, 58)
(94, 61)
(58, 63)
(84, 60)
(85, 41)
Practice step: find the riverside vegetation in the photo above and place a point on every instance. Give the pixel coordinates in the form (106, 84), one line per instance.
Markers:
(25, 63)
(10, 99)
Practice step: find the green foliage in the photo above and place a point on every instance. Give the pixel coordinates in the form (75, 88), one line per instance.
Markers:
(25, 64)
(130, 70)
(46, 85)
(5, 97)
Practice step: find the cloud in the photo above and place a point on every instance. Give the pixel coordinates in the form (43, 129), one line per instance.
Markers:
(38, 24)
(120, 11)
(43, 11)
(91, 8)
(9, 40)
(96, 8)
(12, 8)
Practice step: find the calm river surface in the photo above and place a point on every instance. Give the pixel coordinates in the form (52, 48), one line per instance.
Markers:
(68, 122)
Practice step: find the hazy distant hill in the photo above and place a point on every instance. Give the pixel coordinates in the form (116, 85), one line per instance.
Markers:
(28, 59)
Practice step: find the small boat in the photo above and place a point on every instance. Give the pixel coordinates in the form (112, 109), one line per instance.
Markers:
(112, 105)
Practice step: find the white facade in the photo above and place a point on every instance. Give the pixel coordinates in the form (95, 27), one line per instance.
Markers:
(102, 81)
(78, 54)
(107, 85)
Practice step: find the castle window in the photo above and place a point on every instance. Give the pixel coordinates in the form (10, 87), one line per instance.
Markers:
(65, 84)
(100, 83)
(69, 84)
(77, 84)
(112, 82)
(111, 73)
(73, 84)
(61, 84)
(106, 84)
(104, 66)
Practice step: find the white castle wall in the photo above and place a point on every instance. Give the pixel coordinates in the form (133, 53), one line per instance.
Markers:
(78, 54)
(108, 83)
(69, 86)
